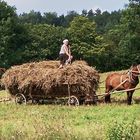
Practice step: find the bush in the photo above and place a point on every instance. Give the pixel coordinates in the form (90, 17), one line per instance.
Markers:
(122, 131)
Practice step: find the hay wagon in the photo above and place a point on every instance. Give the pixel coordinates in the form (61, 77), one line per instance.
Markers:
(43, 81)
(67, 94)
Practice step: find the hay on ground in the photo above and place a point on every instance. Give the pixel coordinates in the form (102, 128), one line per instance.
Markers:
(45, 80)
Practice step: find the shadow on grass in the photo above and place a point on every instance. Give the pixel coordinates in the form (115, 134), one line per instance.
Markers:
(135, 100)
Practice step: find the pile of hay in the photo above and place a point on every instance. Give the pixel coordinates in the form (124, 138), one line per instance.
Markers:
(45, 80)
(2, 71)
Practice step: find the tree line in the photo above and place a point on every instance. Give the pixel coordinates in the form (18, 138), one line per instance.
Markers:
(109, 41)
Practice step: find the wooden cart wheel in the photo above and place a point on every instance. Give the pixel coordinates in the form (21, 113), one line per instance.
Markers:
(73, 100)
(20, 99)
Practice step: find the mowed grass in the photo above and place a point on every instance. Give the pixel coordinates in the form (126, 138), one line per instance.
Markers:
(58, 122)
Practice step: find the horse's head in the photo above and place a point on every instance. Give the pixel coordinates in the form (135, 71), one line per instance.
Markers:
(135, 70)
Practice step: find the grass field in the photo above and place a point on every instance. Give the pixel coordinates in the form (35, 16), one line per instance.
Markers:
(56, 122)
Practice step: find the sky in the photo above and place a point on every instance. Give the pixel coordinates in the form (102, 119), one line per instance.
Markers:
(64, 6)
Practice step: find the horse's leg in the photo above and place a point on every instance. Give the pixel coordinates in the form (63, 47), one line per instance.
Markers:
(129, 97)
(107, 97)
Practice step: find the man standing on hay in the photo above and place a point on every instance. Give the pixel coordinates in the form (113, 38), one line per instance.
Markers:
(65, 54)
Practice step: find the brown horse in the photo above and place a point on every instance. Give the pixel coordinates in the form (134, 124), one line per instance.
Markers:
(117, 81)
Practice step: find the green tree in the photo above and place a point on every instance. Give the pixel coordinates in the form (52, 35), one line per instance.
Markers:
(45, 42)
(70, 16)
(126, 36)
(50, 18)
(90, 14)
(86, 44)
(31, 17)
(84, 12)
(130, 26)
(12, 36)
(106, 21)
